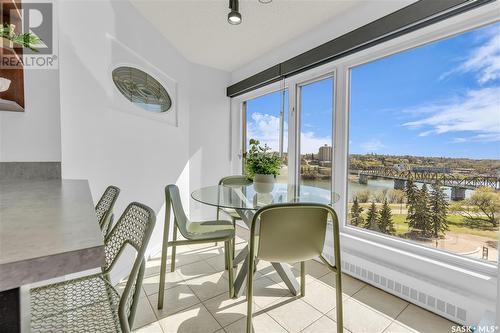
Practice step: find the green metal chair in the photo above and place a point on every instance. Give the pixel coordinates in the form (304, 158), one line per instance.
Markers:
(104, 208)
(91, 303)
(194, 233)
(293, 232)
(238, 180)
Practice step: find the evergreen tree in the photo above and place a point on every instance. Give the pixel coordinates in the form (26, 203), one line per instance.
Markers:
(385, 223)
(356, 210)
(411, 192)
(371, 218)
(438, 210)
(418, 217)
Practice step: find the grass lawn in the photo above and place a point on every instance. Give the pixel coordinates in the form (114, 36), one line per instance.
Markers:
(456, 223)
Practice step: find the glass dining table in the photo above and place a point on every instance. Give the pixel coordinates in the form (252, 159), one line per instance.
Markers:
(245, 200)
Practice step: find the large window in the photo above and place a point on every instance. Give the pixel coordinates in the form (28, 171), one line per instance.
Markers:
(424, 144)
(267, 122)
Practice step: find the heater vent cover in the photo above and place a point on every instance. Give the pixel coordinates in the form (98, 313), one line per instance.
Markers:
(401, 290)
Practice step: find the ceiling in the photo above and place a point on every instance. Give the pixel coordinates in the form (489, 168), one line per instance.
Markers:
(200, 31)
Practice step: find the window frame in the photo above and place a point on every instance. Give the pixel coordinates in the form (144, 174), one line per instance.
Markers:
(355, 240)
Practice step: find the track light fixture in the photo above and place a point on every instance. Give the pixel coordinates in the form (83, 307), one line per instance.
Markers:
(234, 16)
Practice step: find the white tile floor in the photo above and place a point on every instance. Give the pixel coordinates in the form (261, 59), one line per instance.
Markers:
(196, 300)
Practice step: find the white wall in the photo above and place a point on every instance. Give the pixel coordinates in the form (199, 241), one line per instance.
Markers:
(34, 135)
(209, 139)
(105, 140)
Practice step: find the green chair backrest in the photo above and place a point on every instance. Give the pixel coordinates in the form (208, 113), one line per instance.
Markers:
(235, 181)
(291, 232)
(133, 228)
(104, 207)
(173, 199)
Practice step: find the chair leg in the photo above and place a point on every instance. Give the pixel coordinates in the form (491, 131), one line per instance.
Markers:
(230, 269)
(172, 264)
(217, 218)
(226, 258)
(164, 254)
(233, 249)
(250, 292)
(234, 239)
(339, 306)
(302, 278)
(163, 269)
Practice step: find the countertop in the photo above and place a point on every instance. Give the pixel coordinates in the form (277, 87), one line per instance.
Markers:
(47, 229)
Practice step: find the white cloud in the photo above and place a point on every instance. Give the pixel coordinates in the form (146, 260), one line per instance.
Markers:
(265, 128)
(372, 145)
(310, 143)
(478, 112)
(486, 58)
(459, 140)
(483, 60)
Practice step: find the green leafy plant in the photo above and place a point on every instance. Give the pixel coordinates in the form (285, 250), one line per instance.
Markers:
(260, 161)
(27, 39)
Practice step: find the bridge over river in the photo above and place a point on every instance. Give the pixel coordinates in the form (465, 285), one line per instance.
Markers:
(458, 183)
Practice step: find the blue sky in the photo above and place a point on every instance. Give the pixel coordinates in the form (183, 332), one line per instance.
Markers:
(441, 99)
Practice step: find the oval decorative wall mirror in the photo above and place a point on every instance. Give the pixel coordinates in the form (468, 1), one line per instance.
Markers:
(142, 89)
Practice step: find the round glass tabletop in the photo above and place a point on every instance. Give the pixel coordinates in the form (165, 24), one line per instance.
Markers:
(246, 196)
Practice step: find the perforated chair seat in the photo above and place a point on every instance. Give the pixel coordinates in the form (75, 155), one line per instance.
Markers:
(89, 304)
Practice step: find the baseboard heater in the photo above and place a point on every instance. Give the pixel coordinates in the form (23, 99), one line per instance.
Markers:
(454, 305)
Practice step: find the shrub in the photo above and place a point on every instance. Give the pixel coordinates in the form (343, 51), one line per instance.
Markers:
(363, 196)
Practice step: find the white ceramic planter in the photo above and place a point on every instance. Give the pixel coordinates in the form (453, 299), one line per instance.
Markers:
(263, 183)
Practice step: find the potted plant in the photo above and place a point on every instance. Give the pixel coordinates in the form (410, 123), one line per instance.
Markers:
(10, 39)
(263, 166)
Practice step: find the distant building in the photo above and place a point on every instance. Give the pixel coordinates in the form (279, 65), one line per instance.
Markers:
(325, 153)
(327, 164)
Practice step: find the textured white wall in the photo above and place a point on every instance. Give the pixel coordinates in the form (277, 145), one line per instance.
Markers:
(209, 128)
(107, 141)
(34, 135)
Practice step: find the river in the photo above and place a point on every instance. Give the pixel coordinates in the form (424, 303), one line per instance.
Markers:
(374, 185)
